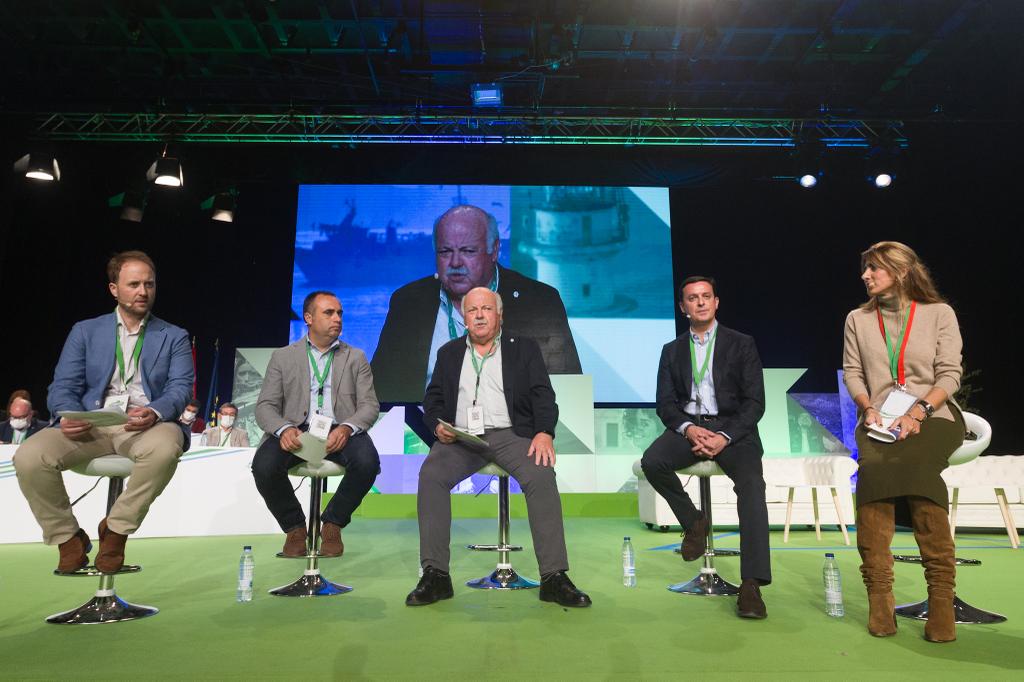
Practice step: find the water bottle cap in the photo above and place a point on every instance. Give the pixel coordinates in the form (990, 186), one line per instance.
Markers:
(247, 548)
(830, 555)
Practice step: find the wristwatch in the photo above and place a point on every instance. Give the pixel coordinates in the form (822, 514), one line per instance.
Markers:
(929, 410)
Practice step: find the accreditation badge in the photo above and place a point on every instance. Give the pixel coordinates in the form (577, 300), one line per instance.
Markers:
(475, 420)
(320, 426)
(116, 403)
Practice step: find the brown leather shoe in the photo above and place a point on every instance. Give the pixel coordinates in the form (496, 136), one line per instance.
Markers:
(74, 552)
(110, 558)
(295, 543)
(695, 542)
(330, 540)
(749, 604)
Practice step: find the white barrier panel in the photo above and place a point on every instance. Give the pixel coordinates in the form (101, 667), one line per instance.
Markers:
(212, 493)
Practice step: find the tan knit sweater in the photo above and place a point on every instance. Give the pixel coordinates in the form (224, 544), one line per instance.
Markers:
(932, 357)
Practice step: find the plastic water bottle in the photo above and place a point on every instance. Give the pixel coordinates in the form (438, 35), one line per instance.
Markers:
(246, 569)
(833, 587)
(628, 563)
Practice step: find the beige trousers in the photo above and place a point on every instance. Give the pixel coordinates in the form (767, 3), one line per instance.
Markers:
(41, 459)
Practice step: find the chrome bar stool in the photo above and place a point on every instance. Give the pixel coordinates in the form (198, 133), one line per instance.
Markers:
(963, 612)
(312, 583)
(504, 577)
(105, 606)
(707, 583)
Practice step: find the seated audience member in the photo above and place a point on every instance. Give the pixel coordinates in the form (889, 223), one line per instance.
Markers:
(224, 434)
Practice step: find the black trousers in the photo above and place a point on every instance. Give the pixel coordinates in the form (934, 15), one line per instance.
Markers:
(270, 469)
(742, 463)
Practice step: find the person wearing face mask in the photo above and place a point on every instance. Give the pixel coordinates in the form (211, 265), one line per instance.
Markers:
(901, 365)
(425, 314)
(224, 434)
(190, 418)
(21, 422)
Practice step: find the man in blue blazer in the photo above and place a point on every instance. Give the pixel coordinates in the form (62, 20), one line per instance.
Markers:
(128, 361)
(710, 398)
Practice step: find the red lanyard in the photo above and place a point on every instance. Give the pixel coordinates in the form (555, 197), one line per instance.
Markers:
(896, 367)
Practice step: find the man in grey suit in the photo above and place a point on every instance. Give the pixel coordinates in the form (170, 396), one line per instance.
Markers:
(317, 375)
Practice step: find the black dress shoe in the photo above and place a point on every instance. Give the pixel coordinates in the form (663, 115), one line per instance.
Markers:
(749, 604)
(695, 542)
(434, 586)
(558, 588)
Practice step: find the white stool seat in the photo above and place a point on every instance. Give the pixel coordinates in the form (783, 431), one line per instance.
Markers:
(322, 470)
(971, 449)
(706, 468)
(493, 470)
(107, 465)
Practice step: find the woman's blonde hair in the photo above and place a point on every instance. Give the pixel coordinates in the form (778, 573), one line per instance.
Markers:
(913, 280)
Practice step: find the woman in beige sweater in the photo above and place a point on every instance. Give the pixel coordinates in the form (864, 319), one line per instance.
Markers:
(905, 338)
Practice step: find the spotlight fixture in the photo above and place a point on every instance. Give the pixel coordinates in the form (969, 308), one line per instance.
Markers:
(222, 206)
(486, 94)
(38, 166)
(808, 180)
(882, 180)
(132, 203)
(166, 171)
(808, 153)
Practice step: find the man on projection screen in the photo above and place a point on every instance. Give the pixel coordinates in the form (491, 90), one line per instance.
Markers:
(426, 314)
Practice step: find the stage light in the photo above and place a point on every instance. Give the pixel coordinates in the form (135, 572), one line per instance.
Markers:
(882, 180)
(166, 171)
(222, 206)
(38, 166)
(486, 94)
(132, 203)
(808, 180)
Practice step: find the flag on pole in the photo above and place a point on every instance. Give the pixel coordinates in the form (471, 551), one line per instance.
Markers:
(195, 374)
(213, 396)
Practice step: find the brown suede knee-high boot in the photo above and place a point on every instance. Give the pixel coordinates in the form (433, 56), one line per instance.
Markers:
(931, 530)
(876, 523)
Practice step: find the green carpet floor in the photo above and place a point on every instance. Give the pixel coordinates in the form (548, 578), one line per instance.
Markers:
(645, 632)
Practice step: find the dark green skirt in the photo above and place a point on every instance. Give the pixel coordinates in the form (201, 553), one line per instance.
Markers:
(908, 467)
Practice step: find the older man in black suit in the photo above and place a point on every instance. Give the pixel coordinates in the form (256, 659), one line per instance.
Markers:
(710, 398)
(493, 384)
(425, 314)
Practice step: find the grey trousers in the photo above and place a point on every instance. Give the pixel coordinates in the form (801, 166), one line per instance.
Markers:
(446, 465)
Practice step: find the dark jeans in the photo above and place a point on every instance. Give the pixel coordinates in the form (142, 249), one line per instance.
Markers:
(270, 469)
(742, 463)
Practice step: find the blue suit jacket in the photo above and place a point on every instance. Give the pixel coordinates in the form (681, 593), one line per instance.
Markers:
(87, 363)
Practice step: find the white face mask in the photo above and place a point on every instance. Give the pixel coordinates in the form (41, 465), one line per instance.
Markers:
(19, 423)
(188, 416)
(227, 420)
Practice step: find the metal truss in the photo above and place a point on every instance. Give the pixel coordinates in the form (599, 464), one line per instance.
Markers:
(471, 128)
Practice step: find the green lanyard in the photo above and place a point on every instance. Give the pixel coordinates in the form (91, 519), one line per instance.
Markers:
(321, 378)
(480, 367)
(226, 439)
(119, 354)
(699, 376)
(897, 350)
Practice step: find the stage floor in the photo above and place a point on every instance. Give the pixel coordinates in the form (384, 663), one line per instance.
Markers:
(645, 632)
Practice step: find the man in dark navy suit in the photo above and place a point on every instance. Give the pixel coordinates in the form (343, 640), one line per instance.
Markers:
(127, 361)
(710, 398)
(21, 421)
